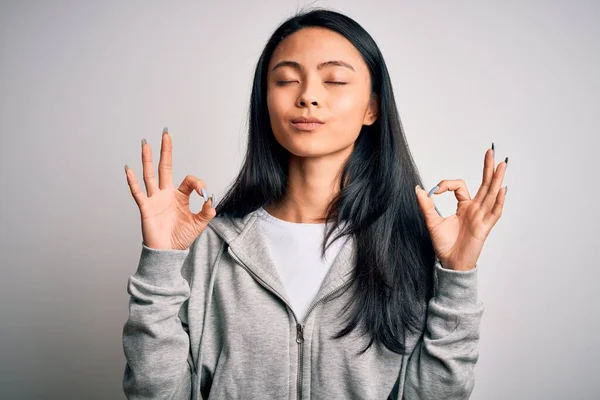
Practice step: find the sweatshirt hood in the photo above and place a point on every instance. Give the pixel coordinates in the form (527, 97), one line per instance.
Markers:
(244, 238)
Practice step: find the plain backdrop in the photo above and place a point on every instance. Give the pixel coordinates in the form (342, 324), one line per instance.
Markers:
(81, 83)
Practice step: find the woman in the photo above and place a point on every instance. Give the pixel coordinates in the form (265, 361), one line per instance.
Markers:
(325, 272)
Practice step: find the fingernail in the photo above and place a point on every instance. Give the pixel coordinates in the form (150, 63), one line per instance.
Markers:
(165, 130)
(126, 168)
(432, 190)
(205, 194)
(212, 202)
(506, 161)
(143, 143)
(493, 151)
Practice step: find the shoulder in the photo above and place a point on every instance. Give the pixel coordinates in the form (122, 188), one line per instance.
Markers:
(203, 254)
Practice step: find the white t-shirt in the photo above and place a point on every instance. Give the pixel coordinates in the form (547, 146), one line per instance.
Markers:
(296, 251)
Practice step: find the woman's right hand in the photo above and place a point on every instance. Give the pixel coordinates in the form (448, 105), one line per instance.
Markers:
(167, 222)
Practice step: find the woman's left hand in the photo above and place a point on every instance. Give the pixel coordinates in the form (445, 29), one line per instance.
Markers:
(459, 238)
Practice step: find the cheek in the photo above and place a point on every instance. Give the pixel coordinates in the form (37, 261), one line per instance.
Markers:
(348, 111)
(276, 107)
(271, 104)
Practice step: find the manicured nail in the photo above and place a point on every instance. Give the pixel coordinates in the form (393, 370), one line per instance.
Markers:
(432, 190)
(505, 189)
(126, 168)
(165, 130)
(205, 194)
(212, 201)
(506, 161)
(493, 151)
(143, 143)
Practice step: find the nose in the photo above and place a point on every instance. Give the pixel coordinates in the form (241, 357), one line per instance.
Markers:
(308, 97)
(302, 102)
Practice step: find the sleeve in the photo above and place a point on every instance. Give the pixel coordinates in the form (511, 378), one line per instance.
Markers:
(442, 363)
(155, 341)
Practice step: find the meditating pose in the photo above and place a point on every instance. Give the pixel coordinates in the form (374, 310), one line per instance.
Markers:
(325, 271)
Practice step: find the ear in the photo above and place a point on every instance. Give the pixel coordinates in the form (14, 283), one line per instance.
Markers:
(373, 110)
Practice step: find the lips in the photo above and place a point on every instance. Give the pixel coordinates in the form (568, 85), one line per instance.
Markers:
(307, 120)
(307, 124)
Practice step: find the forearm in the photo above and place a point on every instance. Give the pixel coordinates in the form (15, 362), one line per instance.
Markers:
(155, 342)
(442, 364)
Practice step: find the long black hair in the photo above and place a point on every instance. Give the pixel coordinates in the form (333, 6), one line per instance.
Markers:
(393, 276)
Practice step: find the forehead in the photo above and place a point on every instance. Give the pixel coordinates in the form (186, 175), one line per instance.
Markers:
(311, 46)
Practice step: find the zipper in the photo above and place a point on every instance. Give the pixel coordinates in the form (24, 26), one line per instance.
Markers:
(300, 334)
(299, 340)
(299, 324)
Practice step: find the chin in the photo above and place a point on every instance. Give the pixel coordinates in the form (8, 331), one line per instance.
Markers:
(313, 147)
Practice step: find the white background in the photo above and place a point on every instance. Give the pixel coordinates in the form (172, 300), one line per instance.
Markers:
(81, 83)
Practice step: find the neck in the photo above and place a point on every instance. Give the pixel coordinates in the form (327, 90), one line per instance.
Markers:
(312, 185)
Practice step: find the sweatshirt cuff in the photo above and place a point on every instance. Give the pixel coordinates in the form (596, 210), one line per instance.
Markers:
(160, 267)
(456, 289)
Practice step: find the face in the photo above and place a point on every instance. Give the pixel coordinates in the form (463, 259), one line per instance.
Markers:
(318, 73)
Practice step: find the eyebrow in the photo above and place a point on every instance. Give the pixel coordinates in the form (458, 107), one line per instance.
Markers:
(295, 65)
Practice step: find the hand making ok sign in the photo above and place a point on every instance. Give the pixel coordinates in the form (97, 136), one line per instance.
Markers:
(459, 238)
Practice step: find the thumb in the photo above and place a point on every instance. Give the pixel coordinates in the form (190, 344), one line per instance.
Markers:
(207, 213)
(427, 206)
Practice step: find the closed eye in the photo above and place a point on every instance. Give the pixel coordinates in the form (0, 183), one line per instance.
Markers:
(281, 83)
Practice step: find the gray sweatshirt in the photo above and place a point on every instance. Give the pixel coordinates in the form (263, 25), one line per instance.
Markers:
(213, 322)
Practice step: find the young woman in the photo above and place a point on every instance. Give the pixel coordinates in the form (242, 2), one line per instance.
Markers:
(325, 272)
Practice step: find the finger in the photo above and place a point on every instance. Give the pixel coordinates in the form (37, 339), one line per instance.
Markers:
(191, 183)
(427, 206)
(136, 191)
(165, 166)
(458, 186)
(490, 197)
(488, 173)
(496, 211)
(148, 169)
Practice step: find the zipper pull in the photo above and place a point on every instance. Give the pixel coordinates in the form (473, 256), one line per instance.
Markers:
(300, 334)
